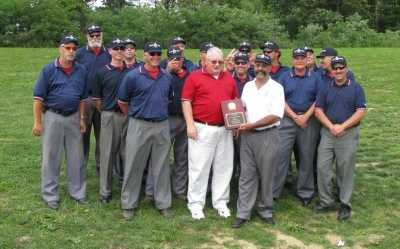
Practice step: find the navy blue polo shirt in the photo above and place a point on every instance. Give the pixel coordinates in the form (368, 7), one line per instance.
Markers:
(175, 105)
(137, 64)
(92, 62)
(282, 69)
(107, 82)
(300, 91)
(326, 78)
(341, 102)
(61, 91)
(188, 64)
(239, 84)
(147, 97)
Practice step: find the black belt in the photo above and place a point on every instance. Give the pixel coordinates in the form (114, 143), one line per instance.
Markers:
(152, 120)
(266, 129)
(202, 122)
(63, 113)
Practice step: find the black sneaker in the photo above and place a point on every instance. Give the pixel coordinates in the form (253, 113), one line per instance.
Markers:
(268, 220)
(53, 205)
(239, 222)
(127, 214)
(344, 212)
(324, 209)
(105, 199)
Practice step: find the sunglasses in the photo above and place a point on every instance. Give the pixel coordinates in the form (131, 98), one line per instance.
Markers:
(240, 63)
(215, 62)
(119, 49)
(94, 35)
(268, 51)
(155, 53)
(70, 48)
(340, 68)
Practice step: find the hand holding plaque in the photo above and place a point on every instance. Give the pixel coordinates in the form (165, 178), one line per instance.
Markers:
(233, 113)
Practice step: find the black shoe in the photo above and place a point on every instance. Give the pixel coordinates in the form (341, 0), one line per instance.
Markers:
(53, 205)
(344, 212)
(268, 220)
(105, 199)
(239, 222)
(182, 197)
(324, 209)
(305, 201)
(127, 214)
(166, 212)
(148, 198)
(82, 201)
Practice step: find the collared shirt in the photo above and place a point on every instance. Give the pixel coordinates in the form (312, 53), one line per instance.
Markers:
(300, 91)
(239, 84)
(92, 62)
(61, 91)
(326, 77)
(341, 102)
(107, 82)
(281, 69)
(137, 64)
(147, 97)
(188, 64)
(175, 105)
(206, 94)
(267, 100)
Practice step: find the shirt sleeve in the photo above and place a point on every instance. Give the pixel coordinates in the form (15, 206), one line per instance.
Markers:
(123, 91)
(321, 98)
(188, 88)
(278, 105)
(41, 86)
(360, 98)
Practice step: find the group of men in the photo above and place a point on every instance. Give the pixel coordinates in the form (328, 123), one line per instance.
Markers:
(140, 109)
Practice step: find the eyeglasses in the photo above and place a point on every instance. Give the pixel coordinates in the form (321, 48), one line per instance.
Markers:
(340, 68)
(69, 48)
(119, 49)
(95, 35)
(155, 53)
(240, 63)
(215, 62)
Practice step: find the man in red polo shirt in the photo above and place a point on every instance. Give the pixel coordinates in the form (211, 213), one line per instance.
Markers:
(210, 144)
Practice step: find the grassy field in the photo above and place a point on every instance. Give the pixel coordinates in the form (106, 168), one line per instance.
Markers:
(25, 222)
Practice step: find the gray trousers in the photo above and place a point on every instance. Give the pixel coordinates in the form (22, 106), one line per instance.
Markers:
(146, 140)
(92, 118)
(62, 134)
(259, 156)
(112, 143)
(343, 150)
(179, 142)
(306, 140)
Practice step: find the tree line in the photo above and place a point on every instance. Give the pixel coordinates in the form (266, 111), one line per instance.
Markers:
(350, 23)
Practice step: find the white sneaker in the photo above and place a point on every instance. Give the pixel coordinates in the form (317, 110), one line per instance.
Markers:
(197, 214)
(224, 212)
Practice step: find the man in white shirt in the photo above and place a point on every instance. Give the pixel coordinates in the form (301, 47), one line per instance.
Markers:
(265, 103)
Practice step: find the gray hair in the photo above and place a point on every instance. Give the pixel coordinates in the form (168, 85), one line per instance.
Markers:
(215, 51)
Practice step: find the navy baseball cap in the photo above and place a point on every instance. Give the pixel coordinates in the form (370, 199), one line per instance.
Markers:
(205, 46)
(177, 40)
(152, 47)
(68, 39)
(245, 47)
(116, 42)
(241, 56)
(129, 41)
(264, 59)
(308, 49)
(174, 53)
(269, 45)
(338, 60)
(299, 52)
(327, 52)
(93, 28)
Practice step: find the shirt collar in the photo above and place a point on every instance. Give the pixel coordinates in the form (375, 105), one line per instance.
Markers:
(293, 74)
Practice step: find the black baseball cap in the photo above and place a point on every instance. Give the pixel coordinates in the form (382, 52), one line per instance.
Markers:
(205, 46)
(129, 41)
(116, 42)
(241, 56)
(177, 40)
(93, 28)
(264, 59)
(152, 47)
(327, 52)
(68, 39)
(174, 53)
(338, 60)
(269, 45)
(245, 47)
(299, 52)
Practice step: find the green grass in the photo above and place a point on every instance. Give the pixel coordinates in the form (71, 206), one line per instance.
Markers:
(25, 222)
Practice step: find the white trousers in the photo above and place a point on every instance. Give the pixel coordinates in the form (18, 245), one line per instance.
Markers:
(212, 148)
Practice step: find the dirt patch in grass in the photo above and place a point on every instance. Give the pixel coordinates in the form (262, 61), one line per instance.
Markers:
(218, 241)
(286, 241)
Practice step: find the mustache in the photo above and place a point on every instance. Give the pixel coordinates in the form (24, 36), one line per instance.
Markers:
(261, 74)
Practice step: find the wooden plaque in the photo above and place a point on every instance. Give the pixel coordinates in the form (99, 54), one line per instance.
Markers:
(233, 112)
